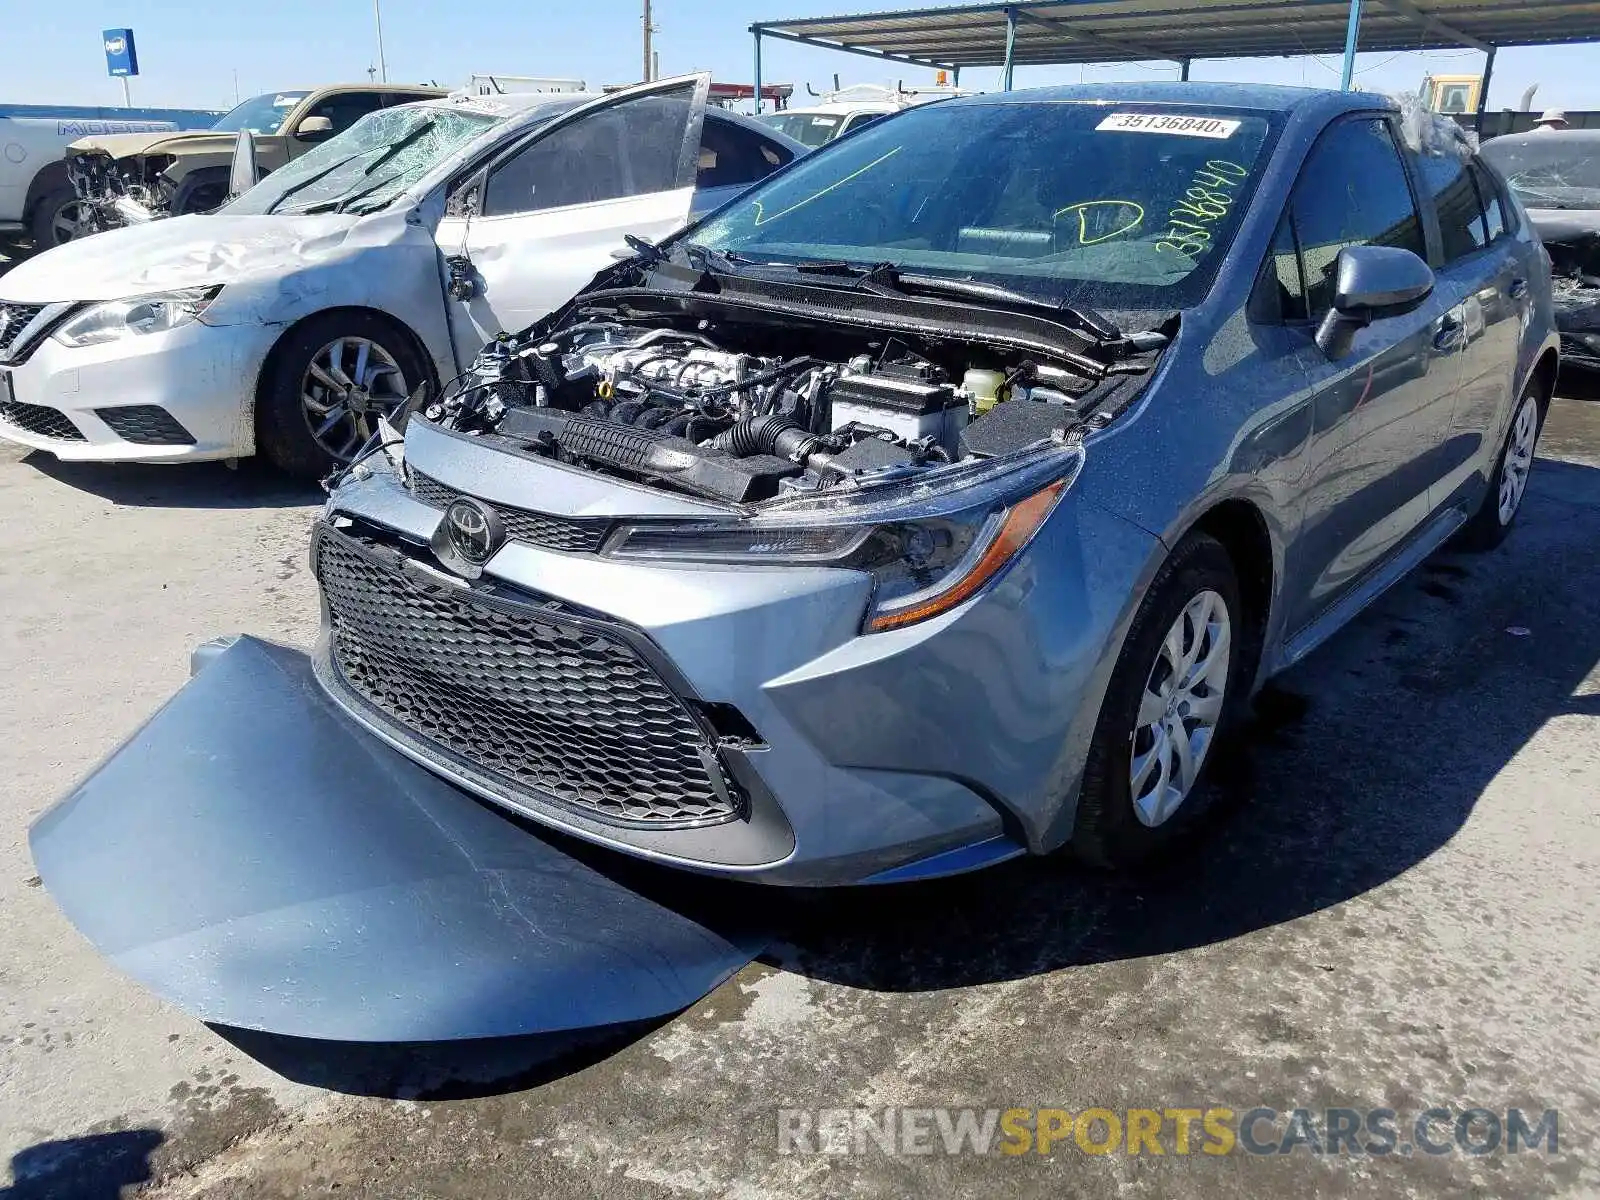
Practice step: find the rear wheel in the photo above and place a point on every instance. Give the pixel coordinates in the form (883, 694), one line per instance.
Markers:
(1502, 502)
(58, 218)
(328, 382)
(1173, 694)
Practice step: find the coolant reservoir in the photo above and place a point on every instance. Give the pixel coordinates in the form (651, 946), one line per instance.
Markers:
(984, 388)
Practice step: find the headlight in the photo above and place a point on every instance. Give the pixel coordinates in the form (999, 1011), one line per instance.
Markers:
(129, 318)
(929, 542)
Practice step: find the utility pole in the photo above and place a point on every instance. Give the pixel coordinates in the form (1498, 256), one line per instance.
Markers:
(377, 18)
(649, 57)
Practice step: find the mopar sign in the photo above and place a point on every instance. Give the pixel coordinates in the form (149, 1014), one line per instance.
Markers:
(121, 57)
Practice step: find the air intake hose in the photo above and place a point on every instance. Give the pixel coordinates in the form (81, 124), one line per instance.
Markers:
(772, 434)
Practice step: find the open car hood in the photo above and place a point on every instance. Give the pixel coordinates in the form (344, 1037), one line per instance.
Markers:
(256, 859)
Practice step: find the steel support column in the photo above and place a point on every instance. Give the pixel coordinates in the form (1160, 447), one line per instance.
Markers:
(1483, 90)
(757, 32)
(1011, 49)
(1352, 34)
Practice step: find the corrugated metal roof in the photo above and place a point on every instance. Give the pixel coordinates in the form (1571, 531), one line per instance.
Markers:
(1087, 31)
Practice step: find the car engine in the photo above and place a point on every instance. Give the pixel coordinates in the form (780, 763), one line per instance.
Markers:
(674, 407)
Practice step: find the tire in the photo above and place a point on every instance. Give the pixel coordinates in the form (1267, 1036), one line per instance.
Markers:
(1508, 486)
(203, 192)
(292, 391)
(51, 215)
(1116, 826)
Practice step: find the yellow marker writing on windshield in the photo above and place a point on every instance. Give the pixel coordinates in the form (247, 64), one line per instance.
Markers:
(1082, 209)
(762, 218)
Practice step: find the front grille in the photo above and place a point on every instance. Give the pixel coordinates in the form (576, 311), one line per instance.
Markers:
(146, 425)
(14, 318)
(576, 535)
(529, 700)
(39, 420)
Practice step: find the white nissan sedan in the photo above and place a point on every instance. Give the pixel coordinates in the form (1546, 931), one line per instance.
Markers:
(385, 258)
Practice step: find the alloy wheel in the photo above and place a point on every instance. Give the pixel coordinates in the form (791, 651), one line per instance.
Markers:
(1518, 459)
(1180, 708)
(347, 386)
(70, 221)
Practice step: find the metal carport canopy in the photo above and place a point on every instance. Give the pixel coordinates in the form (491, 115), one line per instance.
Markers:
(1053, 32)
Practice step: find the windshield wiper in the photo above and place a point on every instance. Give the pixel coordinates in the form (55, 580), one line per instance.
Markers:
(338, 205)
(305, 183)
(885, 278)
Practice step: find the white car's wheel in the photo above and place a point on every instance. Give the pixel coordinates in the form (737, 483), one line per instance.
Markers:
(326, 385)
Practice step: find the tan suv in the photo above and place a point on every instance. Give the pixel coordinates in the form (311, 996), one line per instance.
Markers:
(139, 176)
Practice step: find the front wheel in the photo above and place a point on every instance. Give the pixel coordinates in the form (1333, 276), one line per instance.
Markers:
(329, 381)
(58, 218)
(1490, 525)
(1173, 694)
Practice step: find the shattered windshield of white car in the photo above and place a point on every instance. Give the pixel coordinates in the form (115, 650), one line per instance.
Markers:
(1559, 173)
(369, 164)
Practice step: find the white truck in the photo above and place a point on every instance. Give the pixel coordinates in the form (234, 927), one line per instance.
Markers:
(35, 194)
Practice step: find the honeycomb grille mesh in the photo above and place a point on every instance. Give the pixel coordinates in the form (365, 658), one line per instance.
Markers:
(39, 420)
(575, 535)
(14, 318)
(533, 701)
(145, 425)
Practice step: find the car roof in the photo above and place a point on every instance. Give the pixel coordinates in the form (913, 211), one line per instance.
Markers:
(1262, 96)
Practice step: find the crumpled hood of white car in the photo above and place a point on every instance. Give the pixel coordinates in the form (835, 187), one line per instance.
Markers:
(191, 251)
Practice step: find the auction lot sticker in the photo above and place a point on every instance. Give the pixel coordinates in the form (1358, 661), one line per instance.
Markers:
(1183, 126)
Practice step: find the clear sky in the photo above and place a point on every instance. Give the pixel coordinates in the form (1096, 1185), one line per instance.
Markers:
(189, 52)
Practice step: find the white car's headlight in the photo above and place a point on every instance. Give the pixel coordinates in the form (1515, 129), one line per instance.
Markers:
(115, 319)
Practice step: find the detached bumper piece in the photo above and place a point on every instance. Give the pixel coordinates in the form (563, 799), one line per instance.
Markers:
(39, 420)
(145, 425)
(257, 859)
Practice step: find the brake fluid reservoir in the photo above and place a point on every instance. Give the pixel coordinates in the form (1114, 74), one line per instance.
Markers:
(983, 387)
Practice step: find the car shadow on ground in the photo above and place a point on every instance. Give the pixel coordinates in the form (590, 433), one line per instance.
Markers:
(252, 484)
(96, 1166)
(1360, 764)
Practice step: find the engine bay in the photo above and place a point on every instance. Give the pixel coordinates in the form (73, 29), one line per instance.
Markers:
(732, 413)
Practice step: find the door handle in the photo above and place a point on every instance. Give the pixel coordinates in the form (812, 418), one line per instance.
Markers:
(1518, 289)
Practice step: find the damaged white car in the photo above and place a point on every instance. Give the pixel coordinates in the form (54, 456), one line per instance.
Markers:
(375, 264)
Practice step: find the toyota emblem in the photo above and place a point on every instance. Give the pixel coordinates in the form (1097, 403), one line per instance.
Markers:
(468, 536)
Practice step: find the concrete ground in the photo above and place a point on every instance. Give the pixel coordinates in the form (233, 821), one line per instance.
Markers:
(1398, 913)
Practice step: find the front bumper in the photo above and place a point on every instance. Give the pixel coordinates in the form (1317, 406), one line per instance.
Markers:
(203, 377)
(254, 858)
(925, 750)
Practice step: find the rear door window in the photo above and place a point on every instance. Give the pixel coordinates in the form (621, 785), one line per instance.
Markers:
(1455, 199)
(731, 155)
(1494, 213)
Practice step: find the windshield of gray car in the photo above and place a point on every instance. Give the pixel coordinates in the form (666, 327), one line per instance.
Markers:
(1103, 205)
(369, 164)
(260, 114)
(1548, 170)
(811, 129)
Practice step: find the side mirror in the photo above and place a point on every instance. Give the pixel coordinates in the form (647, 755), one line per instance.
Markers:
(245, 172)
(1371, 283)
(314, 129)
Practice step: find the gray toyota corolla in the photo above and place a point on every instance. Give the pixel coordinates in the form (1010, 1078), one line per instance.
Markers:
(942, 499)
